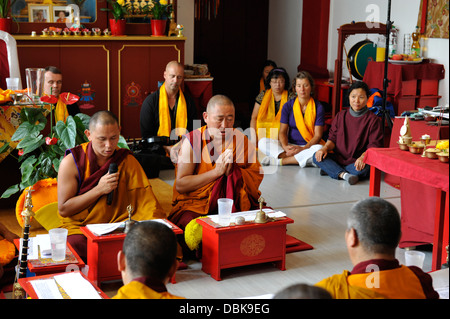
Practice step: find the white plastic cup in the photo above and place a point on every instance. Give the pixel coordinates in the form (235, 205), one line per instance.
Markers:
(58, 241)
(12, 83)
(225, 206)
(414, 258)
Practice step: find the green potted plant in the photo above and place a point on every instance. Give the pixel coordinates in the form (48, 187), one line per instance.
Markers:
(5, 18)
(119, 9)
(40, 155)
(160, 11)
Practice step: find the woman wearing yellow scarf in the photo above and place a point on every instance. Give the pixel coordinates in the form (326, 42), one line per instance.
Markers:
(301, 128)
(266, 113)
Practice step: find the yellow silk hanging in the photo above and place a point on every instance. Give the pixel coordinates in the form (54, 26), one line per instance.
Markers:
(165, 126)
(305, 124)
(266, 116)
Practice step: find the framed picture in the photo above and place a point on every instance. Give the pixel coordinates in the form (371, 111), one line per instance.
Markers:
(62, 14)
(39, 13)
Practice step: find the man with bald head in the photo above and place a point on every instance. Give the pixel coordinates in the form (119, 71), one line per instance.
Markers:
(215, 161)
(168, 108)
(84, 182)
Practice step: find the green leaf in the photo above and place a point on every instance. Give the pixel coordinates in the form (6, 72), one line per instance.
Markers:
(123, 143)
(67, 132)
(4, 148)
(30, 144)
(10, 191)
(27, 167)
(25, 129)
(84, 119)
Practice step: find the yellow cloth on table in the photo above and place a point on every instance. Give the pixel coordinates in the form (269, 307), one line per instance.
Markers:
(165, 126)
(305, 124)
(267, 119)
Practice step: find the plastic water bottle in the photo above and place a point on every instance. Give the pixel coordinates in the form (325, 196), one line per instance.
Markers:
(393, 40)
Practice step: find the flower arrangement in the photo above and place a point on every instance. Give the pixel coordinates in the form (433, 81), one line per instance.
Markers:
(119, 9)
(158, 9)
(41, 155)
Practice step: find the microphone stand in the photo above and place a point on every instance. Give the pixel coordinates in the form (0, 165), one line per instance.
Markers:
(384, 113)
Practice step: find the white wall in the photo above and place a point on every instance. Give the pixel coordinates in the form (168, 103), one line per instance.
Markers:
(185, 16)
(285, 24)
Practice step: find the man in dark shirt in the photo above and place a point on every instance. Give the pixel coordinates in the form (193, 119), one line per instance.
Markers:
(151, 116)
(53, 85)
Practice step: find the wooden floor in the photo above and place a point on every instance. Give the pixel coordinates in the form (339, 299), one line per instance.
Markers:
(318, 205)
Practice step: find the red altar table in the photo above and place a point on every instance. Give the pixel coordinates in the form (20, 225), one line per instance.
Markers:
(418, 128)
(400, 74)
(419, 225)
(248, 244)
(102, 254)
(25, 283)
(46, 266)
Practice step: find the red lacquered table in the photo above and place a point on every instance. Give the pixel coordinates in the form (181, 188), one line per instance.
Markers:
(248, 244)
(418, 225)
(102, 254)
(46, 266)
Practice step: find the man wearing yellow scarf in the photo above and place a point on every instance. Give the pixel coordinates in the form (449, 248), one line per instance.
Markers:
(301, 128)
(168, 111)
(52, 86)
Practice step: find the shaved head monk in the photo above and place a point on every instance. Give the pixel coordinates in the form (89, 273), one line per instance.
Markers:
(84, 181)
(215, 161)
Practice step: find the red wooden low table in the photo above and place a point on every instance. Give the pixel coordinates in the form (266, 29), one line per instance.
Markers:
(249, 244)
(102, 254)
(47, 266)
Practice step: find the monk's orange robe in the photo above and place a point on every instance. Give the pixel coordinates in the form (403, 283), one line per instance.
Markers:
(138, 290)
(241, 185)
(134, 189)
(398, 283)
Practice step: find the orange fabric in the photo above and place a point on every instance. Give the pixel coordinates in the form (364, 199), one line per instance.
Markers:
(399, 283)
(134, 189)
(371, 98)
(339, 288)
(165, 126)
(137, 290)
(262, 87)
(198, 201)
(45, 192)
(7, 252)
(267, 119)
(306, 123)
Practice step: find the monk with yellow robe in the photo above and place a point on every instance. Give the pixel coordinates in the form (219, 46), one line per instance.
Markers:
(372, 237)
(84, 182)
(147, 262)
(215, 161)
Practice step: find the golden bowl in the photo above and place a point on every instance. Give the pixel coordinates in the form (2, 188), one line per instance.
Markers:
(416, 148)
(432, 153)
(403, 147)
(443, 157)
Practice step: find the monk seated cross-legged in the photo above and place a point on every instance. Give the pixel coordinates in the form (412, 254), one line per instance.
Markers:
(215, 161)
(84, 182)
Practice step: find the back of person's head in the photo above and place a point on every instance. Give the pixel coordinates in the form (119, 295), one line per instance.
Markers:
(270, 63)
(52, 69)
(150, 250)
(305, 75)
(275, 74)
(302, 291)
(359, 85)
(377, 225)
(103, 118)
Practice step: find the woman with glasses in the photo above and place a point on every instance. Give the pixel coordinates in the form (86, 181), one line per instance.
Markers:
(301, 127)
(265, 121)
